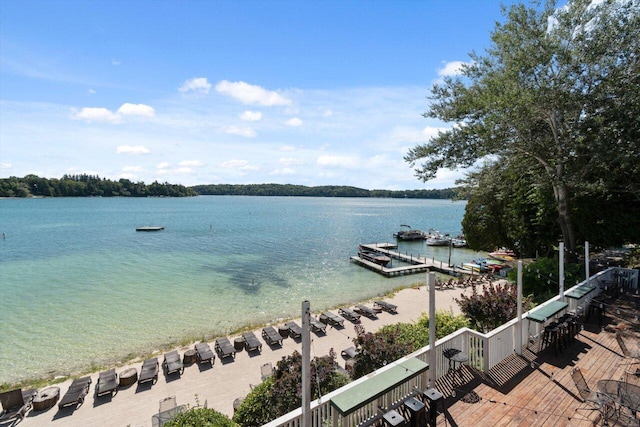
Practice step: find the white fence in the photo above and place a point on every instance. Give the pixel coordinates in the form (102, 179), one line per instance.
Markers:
(485, 351)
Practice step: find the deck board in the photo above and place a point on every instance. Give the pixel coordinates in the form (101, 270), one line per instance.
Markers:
(520, 391)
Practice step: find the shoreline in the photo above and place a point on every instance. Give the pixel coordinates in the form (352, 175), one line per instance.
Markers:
(186, 342)
(197, 383)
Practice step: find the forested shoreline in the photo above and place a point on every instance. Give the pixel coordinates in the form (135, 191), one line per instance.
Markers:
(93, 186)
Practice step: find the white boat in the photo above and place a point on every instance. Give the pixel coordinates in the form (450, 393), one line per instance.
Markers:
(406, 233)
(436, 239)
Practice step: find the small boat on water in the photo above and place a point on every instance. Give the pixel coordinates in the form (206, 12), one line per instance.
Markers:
(374, 257)
(150, 228)
(489, 264)
(435, 238)
(476, 268)
(503, 254)
(406, 233)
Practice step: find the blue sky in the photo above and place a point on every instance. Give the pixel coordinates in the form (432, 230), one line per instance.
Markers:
(237, 92)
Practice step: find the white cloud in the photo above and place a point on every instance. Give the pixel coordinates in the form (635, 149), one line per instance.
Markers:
(91, 91)
(246, 132)
(295, 122)
(190, 163)
(237, 164)
(291, 161)
(287, 148)
(337, 161)
(102, 114)
(251, 94)
(285, 171)
(198, 85)
(5, 165)
(453, 68)
(327, 113)
(132, 149)
(163, 165)
(95, 115)
(142, 110)
(251, 116)
(182, 171)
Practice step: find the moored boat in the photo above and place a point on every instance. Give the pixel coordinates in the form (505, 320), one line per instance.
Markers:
(503, 254)
(374, 257)
(435, 238)
(150, 228)
(407, 233)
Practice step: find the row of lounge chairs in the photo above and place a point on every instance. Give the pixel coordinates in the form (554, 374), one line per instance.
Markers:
(16, 403)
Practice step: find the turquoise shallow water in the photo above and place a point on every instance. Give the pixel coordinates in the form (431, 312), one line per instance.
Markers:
(80, 287)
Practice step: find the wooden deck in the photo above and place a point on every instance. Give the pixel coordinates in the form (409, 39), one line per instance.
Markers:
(536, 389)
(417, 263)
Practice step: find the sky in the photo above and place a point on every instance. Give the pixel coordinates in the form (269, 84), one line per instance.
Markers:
(230, 92)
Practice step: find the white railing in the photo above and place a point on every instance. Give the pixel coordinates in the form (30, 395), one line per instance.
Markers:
(485, 352)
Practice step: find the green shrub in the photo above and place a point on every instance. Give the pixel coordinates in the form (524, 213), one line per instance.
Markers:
(201, 417)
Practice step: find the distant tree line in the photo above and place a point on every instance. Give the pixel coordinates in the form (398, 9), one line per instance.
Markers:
(322, 191)
(87, 185)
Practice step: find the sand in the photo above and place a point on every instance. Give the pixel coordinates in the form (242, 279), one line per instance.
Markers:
(220, 385)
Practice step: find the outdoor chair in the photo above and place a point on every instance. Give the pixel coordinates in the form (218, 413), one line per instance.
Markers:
(107, 383)
(15, 403)
(332, 319)
(317, 326)
(251, 342)
(295, 331)
(366, 311)
(78, 389)
(149, 371)
(349, 314)
(349, 353)
(173, 363)
(266, 371)
(204, 353)
(595, 401)
(386, 306)
(271, 336)
(224, 348)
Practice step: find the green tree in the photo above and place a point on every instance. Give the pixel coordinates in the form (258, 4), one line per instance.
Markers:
(556, 92)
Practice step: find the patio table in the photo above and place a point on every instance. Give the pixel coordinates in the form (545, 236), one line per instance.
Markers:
(545, 312)
(580, 291)
(624, 393)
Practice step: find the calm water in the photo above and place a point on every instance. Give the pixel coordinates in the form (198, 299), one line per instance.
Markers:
(79, 286)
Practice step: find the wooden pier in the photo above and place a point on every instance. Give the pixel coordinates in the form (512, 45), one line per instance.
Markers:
(418, 264)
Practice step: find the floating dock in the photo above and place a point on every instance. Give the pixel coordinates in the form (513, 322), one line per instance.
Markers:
(418, 264)
(150, 228)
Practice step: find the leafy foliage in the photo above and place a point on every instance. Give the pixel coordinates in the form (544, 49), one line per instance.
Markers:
(87, 185)
(540, 278)
(201, 417)
(282, 392)
(495, 305)
(321, 191)
(555, 101)
(392, 342)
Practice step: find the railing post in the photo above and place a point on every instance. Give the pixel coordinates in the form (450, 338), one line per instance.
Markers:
(486, 353)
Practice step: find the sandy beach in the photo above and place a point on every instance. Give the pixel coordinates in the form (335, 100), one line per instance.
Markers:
(226, 381)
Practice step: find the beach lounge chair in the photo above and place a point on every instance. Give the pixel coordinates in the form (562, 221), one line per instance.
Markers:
(317, 326)
(349, 353)
(332, 319)
(15, 403)
(386, 306)
(224, 348)
(266, 370)
(204, 353)
(107, 383)
(295, 331)
(149, 371)
(78, 389)
(366, 311)
(251, 342)
(349, 314)
(173, 363)
(271, 336)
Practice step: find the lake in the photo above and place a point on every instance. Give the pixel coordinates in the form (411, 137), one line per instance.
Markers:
(80, 288)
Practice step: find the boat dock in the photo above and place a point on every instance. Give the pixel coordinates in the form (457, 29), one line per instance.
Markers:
(418, 264)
